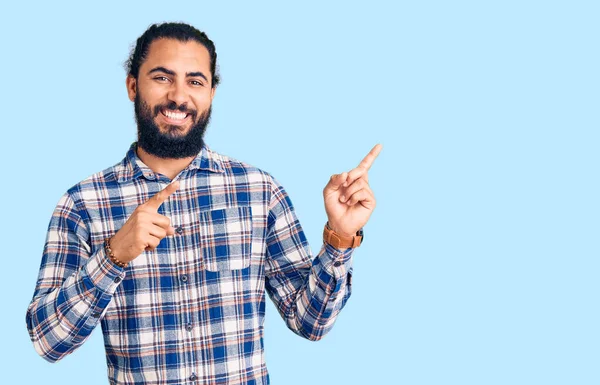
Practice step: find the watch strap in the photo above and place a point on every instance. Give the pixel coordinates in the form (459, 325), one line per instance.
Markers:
(341, 242)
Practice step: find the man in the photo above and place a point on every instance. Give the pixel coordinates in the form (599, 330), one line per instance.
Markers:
(172, 249)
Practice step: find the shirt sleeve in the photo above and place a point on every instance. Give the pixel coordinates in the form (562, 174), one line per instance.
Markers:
(74, 286)
(308, 293)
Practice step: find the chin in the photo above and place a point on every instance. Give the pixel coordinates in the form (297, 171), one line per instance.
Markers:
(173, 130)
(176, 130)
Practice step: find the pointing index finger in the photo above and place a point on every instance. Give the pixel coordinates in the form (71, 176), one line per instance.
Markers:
(368, 160)
(158, 199)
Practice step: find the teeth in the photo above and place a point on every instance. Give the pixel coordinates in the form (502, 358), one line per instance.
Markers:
(174, 115)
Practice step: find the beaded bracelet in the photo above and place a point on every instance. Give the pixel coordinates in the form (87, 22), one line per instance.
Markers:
(111, 256)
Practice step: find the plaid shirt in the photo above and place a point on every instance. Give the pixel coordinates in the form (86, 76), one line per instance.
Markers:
(192, 310)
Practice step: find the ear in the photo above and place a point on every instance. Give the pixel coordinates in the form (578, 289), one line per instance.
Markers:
(212, 93)
(131, 84)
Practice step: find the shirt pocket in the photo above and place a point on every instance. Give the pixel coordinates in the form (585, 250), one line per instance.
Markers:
(226, 238)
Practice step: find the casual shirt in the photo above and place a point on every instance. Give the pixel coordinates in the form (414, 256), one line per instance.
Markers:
(193, 309)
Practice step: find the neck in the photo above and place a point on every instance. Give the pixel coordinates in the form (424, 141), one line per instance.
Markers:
(168, 167)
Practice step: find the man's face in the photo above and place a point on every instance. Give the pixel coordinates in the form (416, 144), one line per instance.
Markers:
(172, 96)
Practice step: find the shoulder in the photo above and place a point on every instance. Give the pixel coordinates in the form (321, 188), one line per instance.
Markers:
(100, 183)
(255, 179)
(241, 170)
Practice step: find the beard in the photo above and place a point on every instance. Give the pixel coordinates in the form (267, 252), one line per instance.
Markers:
(169, 145)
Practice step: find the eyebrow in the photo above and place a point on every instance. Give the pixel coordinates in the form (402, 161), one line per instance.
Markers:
(196, 74)
(172, 73)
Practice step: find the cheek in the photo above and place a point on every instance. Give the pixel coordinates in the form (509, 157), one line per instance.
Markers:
(202, 102)
(155, 96)
(151, 92)
(202, 105)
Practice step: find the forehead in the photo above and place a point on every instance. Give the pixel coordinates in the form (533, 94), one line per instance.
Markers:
(177, 56)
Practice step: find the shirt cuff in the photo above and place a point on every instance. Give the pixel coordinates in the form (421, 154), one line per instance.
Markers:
(102, 273)
(337, 262)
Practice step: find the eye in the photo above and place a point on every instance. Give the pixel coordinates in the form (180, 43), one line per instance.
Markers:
(196, 83)
(161, 79)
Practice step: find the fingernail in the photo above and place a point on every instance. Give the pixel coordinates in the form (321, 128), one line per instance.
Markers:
(343, 198)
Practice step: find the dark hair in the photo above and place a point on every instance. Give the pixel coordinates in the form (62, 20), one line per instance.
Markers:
(178, 31)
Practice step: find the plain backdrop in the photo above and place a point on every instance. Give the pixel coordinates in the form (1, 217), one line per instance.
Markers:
(480, 263)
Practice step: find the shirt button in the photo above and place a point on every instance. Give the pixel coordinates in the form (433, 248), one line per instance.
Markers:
(117, 279)
(188, 327)
(96, 314)
(184, 278)
(337, 264)
(179, 230)
(193, 377)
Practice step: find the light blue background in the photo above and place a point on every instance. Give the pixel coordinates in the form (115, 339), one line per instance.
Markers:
(480, 264)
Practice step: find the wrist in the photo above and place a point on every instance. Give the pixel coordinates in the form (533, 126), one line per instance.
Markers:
(341, 241)
(338, 230)
(111, 255)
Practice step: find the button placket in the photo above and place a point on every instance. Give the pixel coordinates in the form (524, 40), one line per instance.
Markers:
(185, 279)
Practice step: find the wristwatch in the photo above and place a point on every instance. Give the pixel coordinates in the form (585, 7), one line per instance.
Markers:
(340, 241)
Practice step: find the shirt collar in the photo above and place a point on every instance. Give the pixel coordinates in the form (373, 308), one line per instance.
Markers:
(132, 167)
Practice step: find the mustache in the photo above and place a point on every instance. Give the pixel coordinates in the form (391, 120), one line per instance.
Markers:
(174, 107)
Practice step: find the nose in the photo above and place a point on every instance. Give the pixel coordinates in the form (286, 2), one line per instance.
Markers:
(177, 93)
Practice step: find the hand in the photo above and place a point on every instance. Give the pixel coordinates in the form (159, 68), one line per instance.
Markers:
(349, 201)
(144, 229)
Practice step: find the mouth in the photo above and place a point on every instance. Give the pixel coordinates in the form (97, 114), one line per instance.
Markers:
(176, 118)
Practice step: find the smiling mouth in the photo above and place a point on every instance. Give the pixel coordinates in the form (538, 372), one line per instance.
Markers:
(174, 117)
